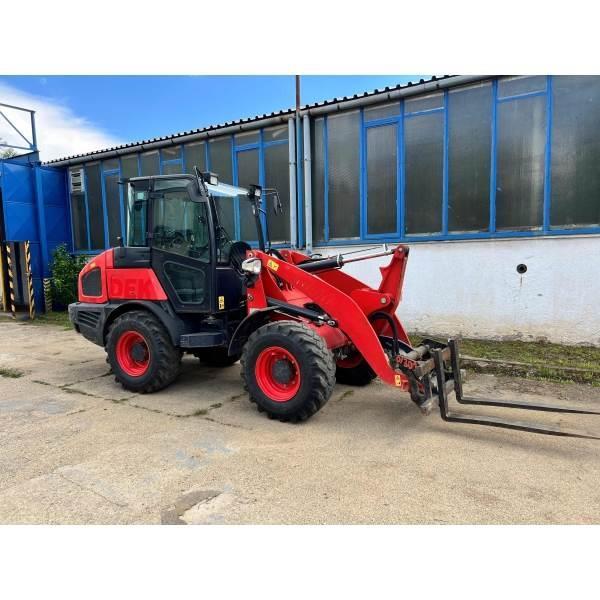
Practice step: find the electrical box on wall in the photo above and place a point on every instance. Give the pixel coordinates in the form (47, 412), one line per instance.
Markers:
(77, 181)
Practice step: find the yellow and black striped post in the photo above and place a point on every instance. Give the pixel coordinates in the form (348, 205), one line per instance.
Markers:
(29, 281)
(47, 294)
(3, 294)
(11, 280)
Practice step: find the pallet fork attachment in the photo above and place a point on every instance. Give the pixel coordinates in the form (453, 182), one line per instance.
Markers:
(448, 380)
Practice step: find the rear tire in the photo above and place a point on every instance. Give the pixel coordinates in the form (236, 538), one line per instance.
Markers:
(359, 375)
(140, 352)
(288, 370)
(217, 357)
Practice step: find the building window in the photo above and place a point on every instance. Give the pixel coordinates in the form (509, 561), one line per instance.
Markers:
(469, 158)
(170, 153)
(318, 179)
(520, 163)
(93, 187)
(219, 151)
(247, 174)
(248, 137)
(172, 168)
(171, 162)
(343, 175)
(381, 111)
(424, 161)
(277, 176)
(113, 207)
(575, 181)
(150, 163)
(514, 86)
(382, 180)
(195, 156)
(421, 103)
(275, 134)
(129, 166)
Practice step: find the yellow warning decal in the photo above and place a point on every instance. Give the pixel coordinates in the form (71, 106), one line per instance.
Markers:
(398, 380)
(273, 265)
(221, 302)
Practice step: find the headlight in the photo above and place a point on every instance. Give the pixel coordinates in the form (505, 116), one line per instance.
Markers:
(210, 178)
(252, 265)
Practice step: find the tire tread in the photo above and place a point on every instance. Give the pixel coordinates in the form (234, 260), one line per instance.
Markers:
(322, 368)
(169, 357)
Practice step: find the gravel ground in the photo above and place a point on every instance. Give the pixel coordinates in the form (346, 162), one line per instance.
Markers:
(75, 447)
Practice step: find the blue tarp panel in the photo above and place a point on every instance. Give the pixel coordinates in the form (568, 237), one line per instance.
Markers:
(35, 205)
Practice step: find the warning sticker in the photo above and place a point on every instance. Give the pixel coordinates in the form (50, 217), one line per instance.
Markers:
(398, 380)
(273, 265)
(221, 302)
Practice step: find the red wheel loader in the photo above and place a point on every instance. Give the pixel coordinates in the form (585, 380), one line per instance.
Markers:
(180, 284)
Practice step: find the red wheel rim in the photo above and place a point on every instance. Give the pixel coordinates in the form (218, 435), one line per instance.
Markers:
(133, 354)
(351, 361)
(277, 374)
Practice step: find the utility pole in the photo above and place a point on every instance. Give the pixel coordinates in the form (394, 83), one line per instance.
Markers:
(297, 95)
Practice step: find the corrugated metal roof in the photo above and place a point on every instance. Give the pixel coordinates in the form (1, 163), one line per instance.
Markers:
(257, 118)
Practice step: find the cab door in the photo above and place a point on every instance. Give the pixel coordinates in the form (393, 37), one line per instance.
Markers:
(182, 255)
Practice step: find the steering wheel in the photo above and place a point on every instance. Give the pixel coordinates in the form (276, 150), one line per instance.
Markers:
(177, 239)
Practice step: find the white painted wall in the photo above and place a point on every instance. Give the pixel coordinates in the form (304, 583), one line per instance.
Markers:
(472, 288)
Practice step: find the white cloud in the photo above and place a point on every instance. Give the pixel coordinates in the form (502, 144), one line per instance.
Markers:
(60, 131)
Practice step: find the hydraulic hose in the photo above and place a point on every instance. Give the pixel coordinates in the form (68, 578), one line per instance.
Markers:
(378, 315)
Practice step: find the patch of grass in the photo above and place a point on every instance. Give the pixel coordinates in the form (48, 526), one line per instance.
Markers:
(11, 373)
(60, 319)
(541, 360)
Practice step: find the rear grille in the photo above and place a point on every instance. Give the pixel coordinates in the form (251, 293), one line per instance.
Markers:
(88, 318)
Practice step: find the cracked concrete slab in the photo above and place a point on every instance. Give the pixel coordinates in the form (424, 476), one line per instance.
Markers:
(79, 449)
(197, 391)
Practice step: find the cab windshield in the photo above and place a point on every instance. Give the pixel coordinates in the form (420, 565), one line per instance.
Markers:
(180, 224)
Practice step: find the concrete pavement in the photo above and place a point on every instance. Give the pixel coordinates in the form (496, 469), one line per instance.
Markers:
(77, 448)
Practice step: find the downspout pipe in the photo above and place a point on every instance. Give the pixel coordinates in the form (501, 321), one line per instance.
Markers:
(307, 184)
(299, 186)
(292, 178)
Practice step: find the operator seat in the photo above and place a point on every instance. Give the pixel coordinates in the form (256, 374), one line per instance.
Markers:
(237, 254)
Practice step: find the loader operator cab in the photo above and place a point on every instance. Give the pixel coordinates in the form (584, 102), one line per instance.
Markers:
(181, 223)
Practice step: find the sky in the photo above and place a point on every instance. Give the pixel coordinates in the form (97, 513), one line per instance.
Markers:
(77, 114)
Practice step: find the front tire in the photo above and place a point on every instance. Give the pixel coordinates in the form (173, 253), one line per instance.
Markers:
(140, 352)
(288, 370)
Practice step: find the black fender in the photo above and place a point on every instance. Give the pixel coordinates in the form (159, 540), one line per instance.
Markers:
(162, 310)
(244, 330)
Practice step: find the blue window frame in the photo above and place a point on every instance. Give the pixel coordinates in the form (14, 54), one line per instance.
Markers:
(247, 150)
(520, 91)
(172, 160)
